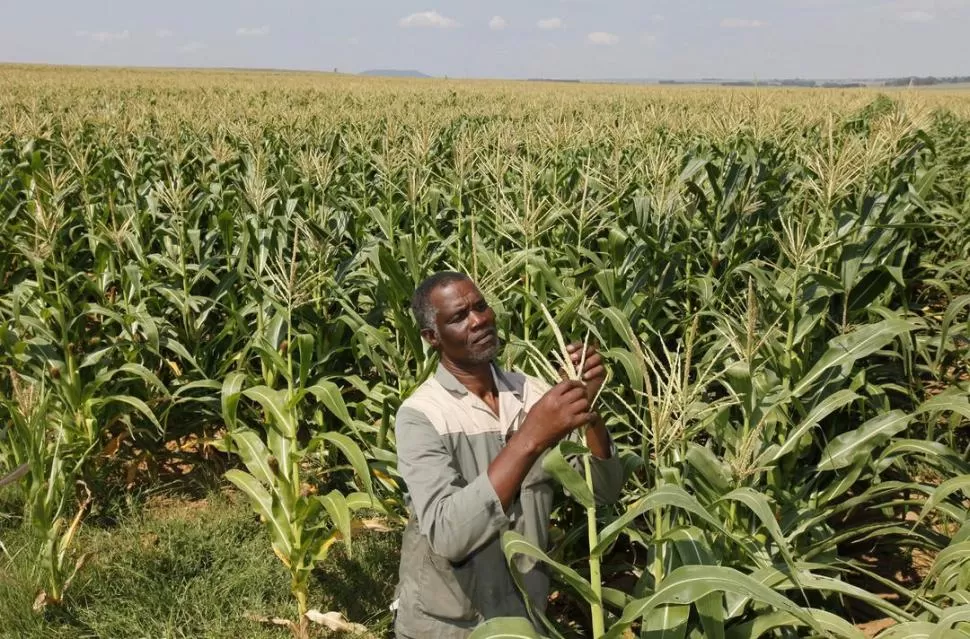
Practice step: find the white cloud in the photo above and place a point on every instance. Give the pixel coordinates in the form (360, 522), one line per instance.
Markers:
(428, 19)
(657, 18)
(255, 32)
(926, 10)
(928, 6)
(741, 23)
(497, 23)
(191, 47)
(550, 24)
(915, 16)
(648, 39)
(163, 33)
(603, 38)
(104, 36)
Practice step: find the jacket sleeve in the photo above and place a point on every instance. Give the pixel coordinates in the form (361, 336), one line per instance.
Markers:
(457, 516)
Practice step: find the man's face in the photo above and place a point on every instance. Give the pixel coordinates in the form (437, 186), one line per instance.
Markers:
(465, 324)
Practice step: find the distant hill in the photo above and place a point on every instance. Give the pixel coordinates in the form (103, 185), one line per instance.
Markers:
(396, 73)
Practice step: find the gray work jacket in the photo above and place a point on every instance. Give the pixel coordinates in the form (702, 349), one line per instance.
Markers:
(453, 573)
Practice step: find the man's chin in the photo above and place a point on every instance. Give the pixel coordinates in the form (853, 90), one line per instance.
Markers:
(485, 356)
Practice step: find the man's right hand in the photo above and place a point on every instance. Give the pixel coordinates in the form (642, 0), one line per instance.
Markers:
(563, 409)
(557, 413)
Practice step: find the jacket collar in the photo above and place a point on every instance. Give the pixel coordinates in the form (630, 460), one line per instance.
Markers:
(451, 384)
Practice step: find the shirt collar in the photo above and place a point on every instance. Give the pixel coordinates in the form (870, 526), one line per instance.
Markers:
(451, 384)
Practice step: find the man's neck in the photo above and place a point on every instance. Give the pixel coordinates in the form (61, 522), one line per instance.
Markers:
(477, 378)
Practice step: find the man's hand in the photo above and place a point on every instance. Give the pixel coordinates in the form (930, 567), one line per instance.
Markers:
(593, 373)
(563, 409)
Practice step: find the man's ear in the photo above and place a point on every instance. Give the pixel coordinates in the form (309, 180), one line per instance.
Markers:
(431, 337)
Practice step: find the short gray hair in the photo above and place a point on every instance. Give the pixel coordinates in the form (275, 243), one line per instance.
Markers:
(421, 307)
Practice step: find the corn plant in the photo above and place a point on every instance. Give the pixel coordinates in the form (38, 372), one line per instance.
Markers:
(302, 524)
(47, 469)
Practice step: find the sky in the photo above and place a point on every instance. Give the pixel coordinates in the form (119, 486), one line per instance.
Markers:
(584, 39)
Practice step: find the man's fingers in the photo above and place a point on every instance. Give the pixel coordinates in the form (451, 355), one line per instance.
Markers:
(576, 351)
(592, 361)
(581, 419)
(576, 402)
(568, 389)
(594, 373)
(565, 386)
(574, 395)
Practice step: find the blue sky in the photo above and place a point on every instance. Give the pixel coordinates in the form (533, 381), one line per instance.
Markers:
(505, 38)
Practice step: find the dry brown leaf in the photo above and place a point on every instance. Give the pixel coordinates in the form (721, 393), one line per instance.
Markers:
(273, 621)
(40, 601)
(334, 621)
(374, 524)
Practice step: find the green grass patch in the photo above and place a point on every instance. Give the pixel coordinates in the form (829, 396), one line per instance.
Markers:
(176, 568)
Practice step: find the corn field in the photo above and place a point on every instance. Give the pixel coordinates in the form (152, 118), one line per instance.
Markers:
(217, 266)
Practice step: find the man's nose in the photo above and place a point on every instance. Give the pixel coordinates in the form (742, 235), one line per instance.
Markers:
(478, 318)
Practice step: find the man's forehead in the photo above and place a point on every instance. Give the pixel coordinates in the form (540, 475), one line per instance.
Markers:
(456, 294)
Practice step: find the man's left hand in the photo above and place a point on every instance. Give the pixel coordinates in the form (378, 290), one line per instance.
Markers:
(593, 373)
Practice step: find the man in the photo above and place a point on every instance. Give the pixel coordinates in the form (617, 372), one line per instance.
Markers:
(470, 442)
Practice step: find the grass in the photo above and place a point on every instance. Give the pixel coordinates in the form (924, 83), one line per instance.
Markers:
(176, 568)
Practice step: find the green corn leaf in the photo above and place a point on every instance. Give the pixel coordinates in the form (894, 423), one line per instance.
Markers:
(823, 583)
(959, 597)
(909, 630)
(953, 399)
(275, 403)
(262, 503)
(555, 463)
(231, 389)
(845, 350)
(364, 501)
(764, 623)
(709, 467)
(687, 584)
(506, 628)
(934, 453)
(304, 344)
(949, 618)
(339, 513)
(150, 379)
(202, 384)
(949, 317)
(667, 622)
(953, 555)
(135, 403)
(148, 327)
(844, 449)
(758, 504)
(823, 409)
(514, 544)
(181, 351)
(691, 546)
(354, 455)
(95, 357)
(328, 393)
(271, 357)
(254, 455)
(282, 449)
(710, 608)
(665, 496)
(941, 492)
